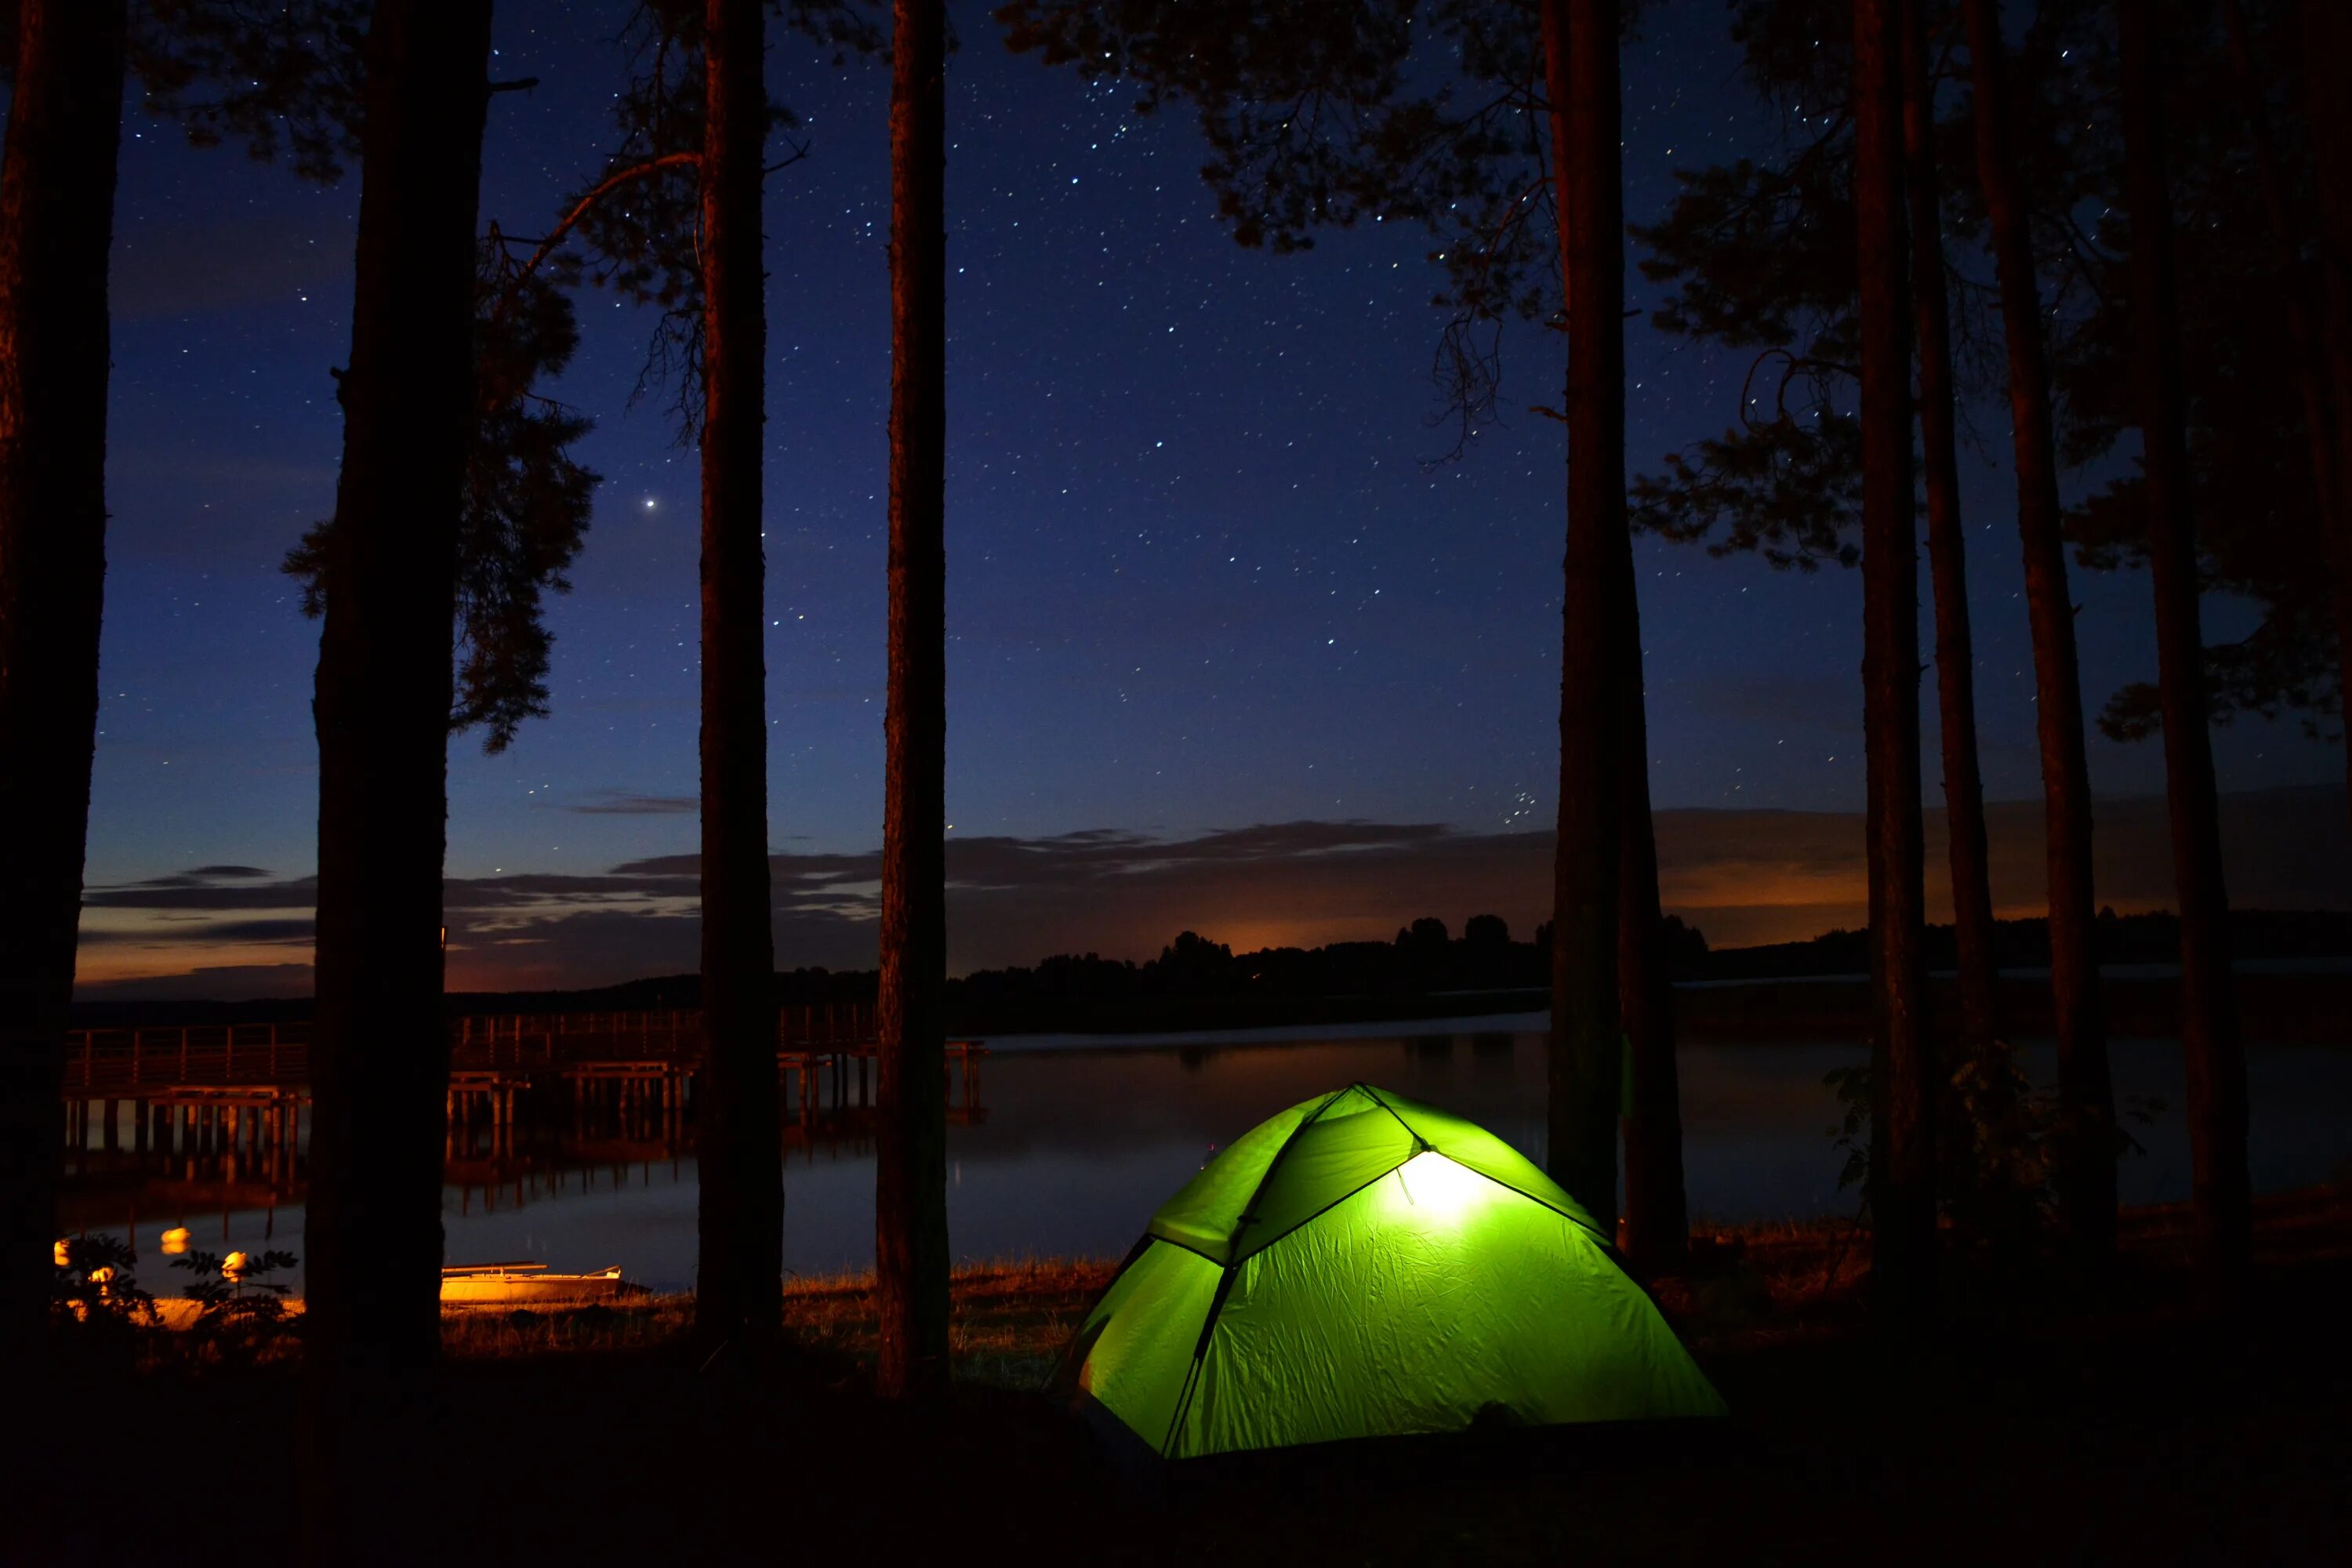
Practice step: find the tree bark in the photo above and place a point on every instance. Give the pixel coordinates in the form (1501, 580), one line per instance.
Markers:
(379, 1056)
(1657, 1206)
(1580, 76)
(1903, 1196)
(57, 224)
(739, 1292)
(2208, 1015)
(2086, 1160)
(1956, 686)
(2327, 44)
(911, 1240)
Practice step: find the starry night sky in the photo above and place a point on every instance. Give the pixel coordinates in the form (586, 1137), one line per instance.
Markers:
(1202, 575)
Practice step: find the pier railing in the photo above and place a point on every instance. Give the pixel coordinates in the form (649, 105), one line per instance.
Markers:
(101, 1062)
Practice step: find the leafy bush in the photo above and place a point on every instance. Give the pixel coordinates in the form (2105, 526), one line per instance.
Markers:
(241, 1310)
(92, 1288)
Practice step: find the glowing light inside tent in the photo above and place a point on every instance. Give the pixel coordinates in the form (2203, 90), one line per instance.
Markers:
(1436, 1191)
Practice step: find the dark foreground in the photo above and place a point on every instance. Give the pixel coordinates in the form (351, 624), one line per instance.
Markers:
(2135, 1427)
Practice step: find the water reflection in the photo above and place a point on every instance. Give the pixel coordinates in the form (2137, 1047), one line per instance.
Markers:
(1076, 1146)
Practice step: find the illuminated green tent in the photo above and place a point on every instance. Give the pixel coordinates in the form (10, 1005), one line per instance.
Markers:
(1363, 1265)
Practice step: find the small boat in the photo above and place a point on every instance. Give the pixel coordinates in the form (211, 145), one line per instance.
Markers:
(530, 1285)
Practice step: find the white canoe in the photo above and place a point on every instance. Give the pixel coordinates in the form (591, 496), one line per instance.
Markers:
(530, 1285)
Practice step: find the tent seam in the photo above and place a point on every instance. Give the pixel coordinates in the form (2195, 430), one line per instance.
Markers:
(1226, 1280)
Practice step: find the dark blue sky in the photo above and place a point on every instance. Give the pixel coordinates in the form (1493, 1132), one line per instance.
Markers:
(1200, 575)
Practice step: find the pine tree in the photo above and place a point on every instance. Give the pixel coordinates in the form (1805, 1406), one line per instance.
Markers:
(379, 1056)
(1903, 1191)
(911, 1244)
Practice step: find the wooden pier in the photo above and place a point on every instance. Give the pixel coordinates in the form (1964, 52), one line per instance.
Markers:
(202, 1087)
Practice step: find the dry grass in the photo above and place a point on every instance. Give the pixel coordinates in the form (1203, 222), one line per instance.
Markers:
(1010, 1319)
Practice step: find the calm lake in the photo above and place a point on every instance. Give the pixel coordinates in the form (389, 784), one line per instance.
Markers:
(1072, 1144)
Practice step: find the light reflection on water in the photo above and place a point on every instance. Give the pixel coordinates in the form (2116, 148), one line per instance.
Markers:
(1079, 1145)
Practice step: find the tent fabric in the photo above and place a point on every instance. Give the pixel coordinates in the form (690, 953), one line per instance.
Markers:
(1363, 1265)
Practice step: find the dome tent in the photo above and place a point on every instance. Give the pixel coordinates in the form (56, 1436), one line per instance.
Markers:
(1363, 1265)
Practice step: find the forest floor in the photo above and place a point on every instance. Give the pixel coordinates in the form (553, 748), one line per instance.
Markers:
(2132, 1422)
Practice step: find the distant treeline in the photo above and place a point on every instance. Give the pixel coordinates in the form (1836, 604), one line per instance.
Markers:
(1426, 971)
(2155, 938)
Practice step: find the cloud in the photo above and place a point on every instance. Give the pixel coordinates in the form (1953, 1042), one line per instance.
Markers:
(628, 803)
(1742, 877)
(290, 929)
(187, 892)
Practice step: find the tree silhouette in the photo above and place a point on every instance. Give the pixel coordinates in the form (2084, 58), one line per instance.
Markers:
(2208, 1018)
(1903, 1191)
(1762, 257)
(1956, 704)
(2241, 165)
(740, 1287)
(1580, 84)
(911, 1156)
(2326, 40)
(57, 221)
(2084, 1162)
(279, 81)
(673, 221)
(1755, 251)
(379, 1055)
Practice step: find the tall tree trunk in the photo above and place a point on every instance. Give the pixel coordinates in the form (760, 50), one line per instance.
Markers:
(739, 1292)
(1956, 686)
(1903, 1196)
(1581, 76)
(380, 1055)
(910, 1207)
(2208, 1013)
(57, 223)
(1657, 1206)
(2304, 311)
(2085, 1162)
(2327, 45)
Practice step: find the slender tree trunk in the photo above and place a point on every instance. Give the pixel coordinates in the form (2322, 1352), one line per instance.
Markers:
(2208, 1013)
(379, 1056)
(1903, 1200)
(740, 1293)
(2327, 45)
(1657, 1207)
(911, 1238)
(57, 224)
(1956, 686)
(2086, 1163)
(1581, 76)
